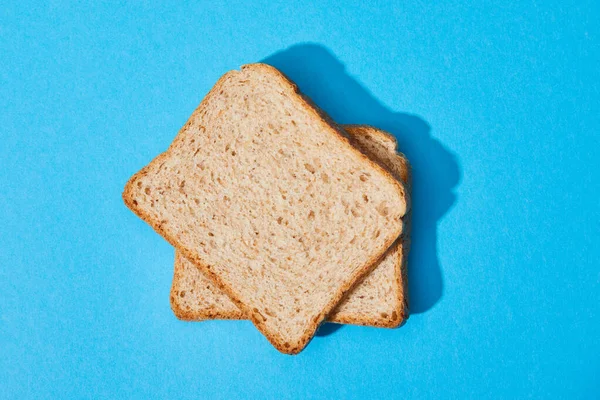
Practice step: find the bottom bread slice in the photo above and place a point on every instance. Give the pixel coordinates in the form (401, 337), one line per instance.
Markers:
(379, 300)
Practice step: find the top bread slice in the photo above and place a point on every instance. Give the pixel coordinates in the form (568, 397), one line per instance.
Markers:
(272, 202)
(379, 300)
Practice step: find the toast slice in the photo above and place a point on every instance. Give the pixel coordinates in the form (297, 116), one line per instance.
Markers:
(379, 300)
(267, 197)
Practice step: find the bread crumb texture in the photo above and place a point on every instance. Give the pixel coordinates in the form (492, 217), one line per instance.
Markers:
(379, 300)
(268, 200)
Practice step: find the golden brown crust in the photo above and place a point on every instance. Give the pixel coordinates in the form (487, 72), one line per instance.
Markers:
(279, 343)
(396, 316)
(402, 309)
(198, 314)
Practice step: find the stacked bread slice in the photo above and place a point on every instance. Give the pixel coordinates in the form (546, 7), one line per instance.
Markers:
(277, 213)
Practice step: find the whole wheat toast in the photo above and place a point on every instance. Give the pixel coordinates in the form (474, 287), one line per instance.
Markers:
(267, 197)
(379, 300)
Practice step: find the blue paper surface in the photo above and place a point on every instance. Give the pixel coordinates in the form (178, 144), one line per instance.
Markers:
(496, 105)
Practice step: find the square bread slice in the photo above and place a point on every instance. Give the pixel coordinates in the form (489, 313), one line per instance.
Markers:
(379, 300)
(264, 193)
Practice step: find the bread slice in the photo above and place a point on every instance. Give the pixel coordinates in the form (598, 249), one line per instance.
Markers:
(379, 300)
(266, 196)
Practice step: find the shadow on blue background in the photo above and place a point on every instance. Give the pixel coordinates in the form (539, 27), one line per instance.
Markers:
(435, 169)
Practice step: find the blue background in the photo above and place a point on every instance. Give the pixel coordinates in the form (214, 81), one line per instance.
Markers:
(497, 106)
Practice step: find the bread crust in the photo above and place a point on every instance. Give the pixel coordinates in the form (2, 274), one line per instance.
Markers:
(335, 132)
